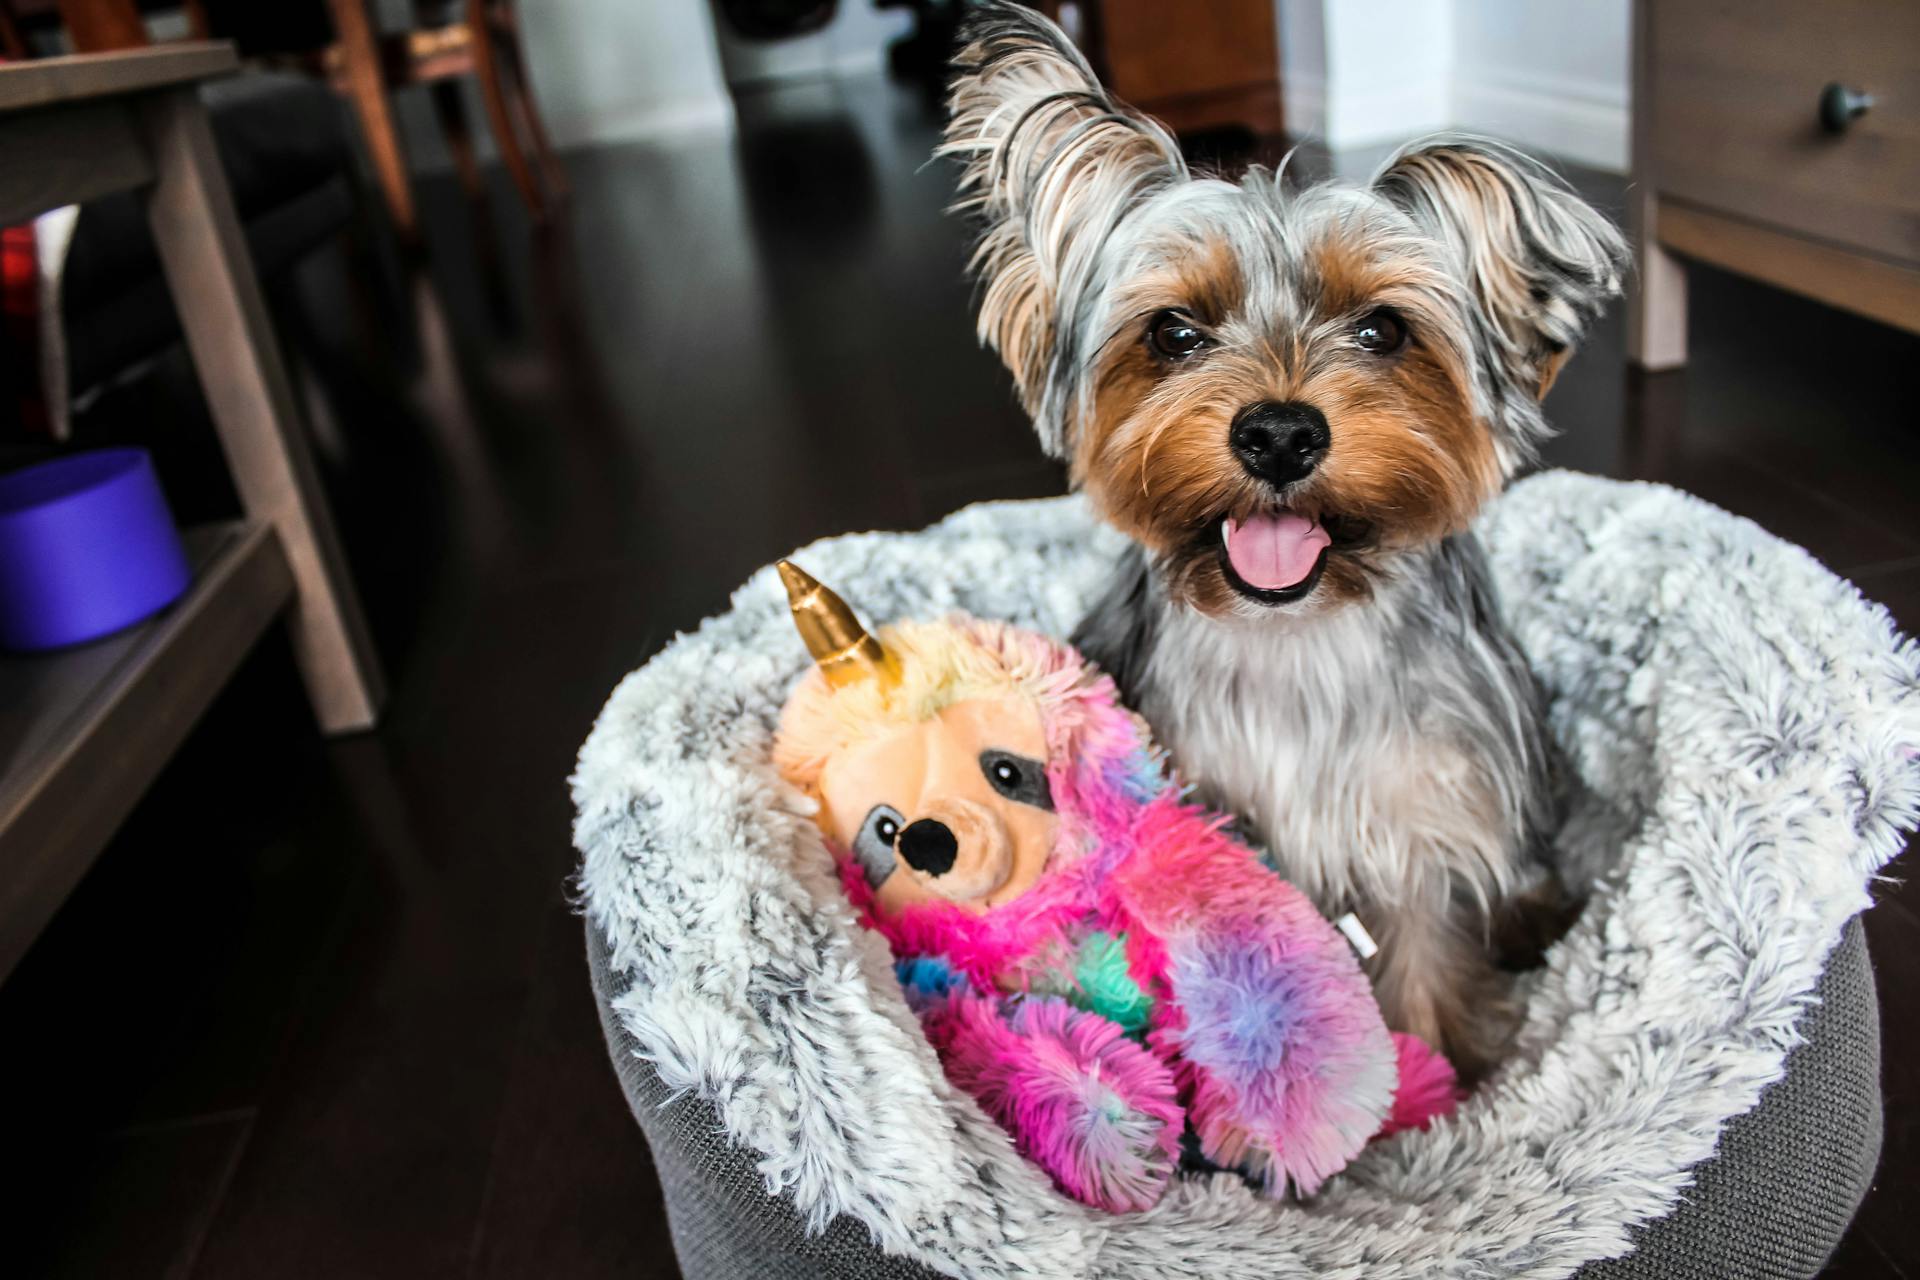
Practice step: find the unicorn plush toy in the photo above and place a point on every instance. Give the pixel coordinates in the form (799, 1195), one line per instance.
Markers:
(1095, 960)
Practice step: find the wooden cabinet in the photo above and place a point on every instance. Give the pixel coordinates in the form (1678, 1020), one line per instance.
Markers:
(1196, 66)
(1199, 65)
(1735, 166)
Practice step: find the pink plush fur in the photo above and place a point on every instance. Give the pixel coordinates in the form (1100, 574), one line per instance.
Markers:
(1428, 1087)
(1088, 1105)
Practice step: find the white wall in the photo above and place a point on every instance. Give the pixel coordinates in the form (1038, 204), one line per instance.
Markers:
(1303, 66)
(1388, 67)
(617, 70)
(854, 42)
(609, 70)
(602, 71)
(1547, 74)
(1553, 76)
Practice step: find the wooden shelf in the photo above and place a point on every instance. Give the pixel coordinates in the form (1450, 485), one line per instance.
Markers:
(84, 731)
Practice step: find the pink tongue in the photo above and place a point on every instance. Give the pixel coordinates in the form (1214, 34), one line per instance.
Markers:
(1274, 552)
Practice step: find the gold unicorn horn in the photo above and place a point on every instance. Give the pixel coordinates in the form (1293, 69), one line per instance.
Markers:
(844, 650)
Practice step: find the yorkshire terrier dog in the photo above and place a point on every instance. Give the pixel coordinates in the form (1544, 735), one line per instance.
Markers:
(1294, 402)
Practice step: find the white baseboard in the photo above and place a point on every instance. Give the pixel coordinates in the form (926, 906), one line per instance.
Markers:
(1361, 123)
(1366, 115)
(1585, 123)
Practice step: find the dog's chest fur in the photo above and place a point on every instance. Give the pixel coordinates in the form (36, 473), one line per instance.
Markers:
(1388, 753)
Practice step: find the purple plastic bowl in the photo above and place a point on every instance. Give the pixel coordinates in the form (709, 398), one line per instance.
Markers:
(87, 546)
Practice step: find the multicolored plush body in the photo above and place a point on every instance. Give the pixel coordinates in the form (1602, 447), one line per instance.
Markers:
(1096, 960)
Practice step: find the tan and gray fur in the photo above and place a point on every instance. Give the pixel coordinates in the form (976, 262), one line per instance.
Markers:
(1379, 731)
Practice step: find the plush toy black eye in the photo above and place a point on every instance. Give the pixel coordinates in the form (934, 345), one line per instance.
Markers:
(1380, 332)
(873, 844)
(1017, 778)
(1174, 336)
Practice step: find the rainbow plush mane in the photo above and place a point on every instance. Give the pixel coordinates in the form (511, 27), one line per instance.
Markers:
(1096, 961)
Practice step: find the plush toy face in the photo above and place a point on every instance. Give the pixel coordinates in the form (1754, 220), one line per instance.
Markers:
(955, 807)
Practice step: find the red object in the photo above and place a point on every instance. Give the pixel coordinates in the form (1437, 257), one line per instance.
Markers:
(20, 325)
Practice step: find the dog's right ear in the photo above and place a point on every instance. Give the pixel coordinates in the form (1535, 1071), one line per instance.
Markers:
(1052, 164)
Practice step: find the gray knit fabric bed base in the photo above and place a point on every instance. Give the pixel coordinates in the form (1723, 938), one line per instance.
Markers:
(1813, 1142)
(725, 1225)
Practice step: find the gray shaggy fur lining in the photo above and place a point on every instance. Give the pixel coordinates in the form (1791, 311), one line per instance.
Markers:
(1746, 727)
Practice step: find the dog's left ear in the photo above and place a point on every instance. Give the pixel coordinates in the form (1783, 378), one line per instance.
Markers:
(1539, 262)
(1053, 164)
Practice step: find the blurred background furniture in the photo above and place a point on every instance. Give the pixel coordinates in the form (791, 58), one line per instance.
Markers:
(1196, 67)
(777, 19)
(343, 42)
(448, 40)
(83, 732)
(1780, 141)
(286, 147)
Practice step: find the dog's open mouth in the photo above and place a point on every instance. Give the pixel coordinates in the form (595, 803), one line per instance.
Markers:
(1274, 557)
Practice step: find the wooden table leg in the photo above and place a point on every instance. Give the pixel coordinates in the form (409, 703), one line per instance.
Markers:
(205, 258)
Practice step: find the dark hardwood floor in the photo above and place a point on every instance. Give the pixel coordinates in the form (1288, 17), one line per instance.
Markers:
(320, 1010)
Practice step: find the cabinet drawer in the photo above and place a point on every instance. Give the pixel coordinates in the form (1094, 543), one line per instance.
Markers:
(1736, 115)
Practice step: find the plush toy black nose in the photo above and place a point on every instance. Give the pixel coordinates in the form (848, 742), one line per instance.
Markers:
(929, 846)
(1280, 442)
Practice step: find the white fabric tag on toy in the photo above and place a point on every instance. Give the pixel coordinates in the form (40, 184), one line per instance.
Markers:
(1357, 934)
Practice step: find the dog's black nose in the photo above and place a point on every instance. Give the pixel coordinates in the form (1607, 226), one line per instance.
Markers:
(929, 846)
(1280, 442)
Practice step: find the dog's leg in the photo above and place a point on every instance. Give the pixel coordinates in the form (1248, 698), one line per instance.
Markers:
(1435, 978)
(1119, 632)
(1527, 924)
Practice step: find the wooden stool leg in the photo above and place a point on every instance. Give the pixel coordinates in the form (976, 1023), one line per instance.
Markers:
(451, 108)
(493, 91)
(1656, 304)
(204, 255)
(1657, 295)
(366, 87)
(508, 26)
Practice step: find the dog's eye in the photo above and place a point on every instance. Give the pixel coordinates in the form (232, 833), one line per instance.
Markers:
(1380, 332)
(1174, 335)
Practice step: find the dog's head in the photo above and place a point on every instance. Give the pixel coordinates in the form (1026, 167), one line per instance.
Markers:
(1272, 390)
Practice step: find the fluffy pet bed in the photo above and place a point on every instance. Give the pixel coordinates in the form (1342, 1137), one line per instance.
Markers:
(1746, 729)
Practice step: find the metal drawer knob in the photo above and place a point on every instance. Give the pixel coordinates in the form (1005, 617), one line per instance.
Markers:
(1840, 106)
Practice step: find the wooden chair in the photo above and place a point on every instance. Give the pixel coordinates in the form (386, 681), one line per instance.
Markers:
(479, 38)
(449, 39)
